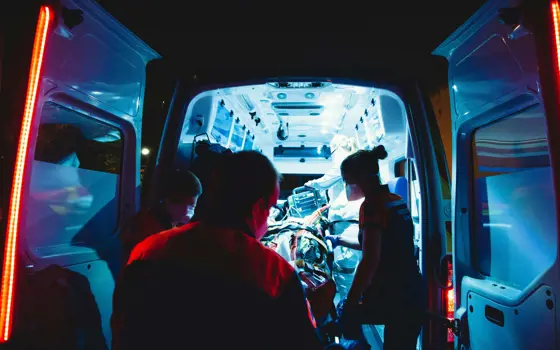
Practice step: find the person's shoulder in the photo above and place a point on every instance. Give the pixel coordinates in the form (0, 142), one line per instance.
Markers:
(153, 246)
(393, 200)
(384, 199)
(269, 269)
(371, 205)
(147, 247)
(142, 225)
(374, 212)
(271, 257)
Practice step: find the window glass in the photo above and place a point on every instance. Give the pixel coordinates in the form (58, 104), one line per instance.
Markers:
(75, 176)
(248, 143)
(236, 143)
(514, 210)
(222, 125)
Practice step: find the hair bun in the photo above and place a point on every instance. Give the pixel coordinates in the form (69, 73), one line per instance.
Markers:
(379, 152)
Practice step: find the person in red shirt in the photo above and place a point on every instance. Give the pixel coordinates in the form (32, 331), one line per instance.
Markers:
(181, 192)
(211, 284)
(388, 288)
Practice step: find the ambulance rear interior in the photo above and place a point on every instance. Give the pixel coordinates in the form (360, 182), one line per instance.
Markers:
(293, 124)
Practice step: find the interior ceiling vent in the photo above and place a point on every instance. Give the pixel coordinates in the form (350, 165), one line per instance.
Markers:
(300, 85)
(297, 109)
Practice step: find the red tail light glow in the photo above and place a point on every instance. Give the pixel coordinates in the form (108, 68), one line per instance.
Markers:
(12, 231)
(556, 22)
(450, 299)
(450, 313)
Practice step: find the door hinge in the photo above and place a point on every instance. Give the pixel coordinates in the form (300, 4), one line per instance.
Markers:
(454, 324)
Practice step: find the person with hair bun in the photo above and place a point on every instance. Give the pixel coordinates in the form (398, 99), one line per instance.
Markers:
(342, 214)
(388, 288)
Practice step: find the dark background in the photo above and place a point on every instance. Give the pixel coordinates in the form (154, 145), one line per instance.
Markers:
(186, 27)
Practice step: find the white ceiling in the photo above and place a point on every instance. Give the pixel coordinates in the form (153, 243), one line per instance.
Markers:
(329, 109)
(319, 113)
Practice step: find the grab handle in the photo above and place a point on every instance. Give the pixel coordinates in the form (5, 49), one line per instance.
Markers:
(494, 315)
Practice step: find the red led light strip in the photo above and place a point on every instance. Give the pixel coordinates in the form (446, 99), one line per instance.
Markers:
(556, 22)
(10, 252)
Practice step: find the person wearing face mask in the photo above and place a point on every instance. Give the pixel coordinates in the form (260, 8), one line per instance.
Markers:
(181, 192)
(388, 288)
(212, 284)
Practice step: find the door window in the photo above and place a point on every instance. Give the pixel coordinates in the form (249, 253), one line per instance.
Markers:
(248, 146)
(237, 137)
(222, 125)
(514, 209)
(75, 175)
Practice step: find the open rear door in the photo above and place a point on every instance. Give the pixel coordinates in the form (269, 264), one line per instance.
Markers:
(75, 173)
(503, 82)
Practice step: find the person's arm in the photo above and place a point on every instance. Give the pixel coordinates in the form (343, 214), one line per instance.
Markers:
(326, 181)
(373, 219)
(349, 242)
(294, 317)
(371, 253)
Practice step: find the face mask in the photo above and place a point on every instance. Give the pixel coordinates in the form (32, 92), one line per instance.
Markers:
(188, 215)
(176, 212)
(190, 212)
(353, 192)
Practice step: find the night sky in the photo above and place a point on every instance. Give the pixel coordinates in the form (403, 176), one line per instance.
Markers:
(228, 27)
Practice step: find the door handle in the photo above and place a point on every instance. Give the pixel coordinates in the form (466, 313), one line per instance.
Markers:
(494, 315)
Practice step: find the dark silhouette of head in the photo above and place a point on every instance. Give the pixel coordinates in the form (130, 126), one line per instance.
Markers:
(243, 189)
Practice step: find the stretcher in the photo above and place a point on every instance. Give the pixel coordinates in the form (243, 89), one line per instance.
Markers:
(301, 241)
